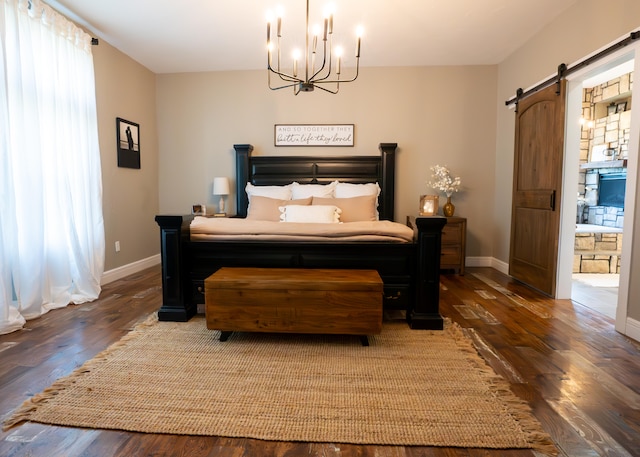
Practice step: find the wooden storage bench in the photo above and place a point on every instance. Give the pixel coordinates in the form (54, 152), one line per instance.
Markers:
(294, 300)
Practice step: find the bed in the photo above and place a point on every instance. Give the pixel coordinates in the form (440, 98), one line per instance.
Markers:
(410, 269)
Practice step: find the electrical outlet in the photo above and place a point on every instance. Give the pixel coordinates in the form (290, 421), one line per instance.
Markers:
(117, 246)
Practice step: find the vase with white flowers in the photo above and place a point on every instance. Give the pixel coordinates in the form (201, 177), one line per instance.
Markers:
(444, 181)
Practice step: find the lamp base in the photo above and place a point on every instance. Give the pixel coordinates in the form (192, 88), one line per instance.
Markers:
(221, 206)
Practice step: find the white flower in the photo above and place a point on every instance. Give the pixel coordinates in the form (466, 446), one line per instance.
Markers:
(442, 180)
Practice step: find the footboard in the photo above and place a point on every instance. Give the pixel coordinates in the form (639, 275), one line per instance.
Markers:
(410, 271)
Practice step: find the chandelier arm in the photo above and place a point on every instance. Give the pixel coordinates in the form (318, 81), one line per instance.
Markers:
(284, 76)
(330, 91)
(284, 87)
(324, 62)
(342, 80)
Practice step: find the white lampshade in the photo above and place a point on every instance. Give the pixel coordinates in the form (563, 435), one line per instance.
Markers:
(221, 186)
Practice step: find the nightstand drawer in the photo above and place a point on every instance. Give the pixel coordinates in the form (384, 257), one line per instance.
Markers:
(451, 234)
(453, 244)
(450, 255)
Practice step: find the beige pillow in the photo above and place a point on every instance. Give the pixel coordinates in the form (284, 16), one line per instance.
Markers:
(354, 209)
(268, 209)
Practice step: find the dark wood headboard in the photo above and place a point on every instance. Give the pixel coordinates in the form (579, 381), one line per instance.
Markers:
(283, 170)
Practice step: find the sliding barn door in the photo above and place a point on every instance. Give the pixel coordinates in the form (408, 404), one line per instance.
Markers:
(537, 180)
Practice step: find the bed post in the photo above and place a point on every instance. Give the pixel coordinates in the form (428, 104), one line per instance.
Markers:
(388, 151)
(243, 153)
(426, 308)
(175, 286)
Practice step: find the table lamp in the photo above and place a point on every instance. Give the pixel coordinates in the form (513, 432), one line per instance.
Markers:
(221, 188)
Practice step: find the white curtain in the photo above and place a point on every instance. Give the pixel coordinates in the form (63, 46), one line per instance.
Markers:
(51, 226)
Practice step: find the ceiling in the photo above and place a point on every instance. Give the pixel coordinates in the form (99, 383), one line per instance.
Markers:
(197, 35)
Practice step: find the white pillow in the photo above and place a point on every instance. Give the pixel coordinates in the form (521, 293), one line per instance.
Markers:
(328, 214)
(348, 190)
(313, 190)
(277, 192)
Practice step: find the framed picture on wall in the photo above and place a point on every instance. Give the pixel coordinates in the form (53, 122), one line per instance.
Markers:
(128, 141)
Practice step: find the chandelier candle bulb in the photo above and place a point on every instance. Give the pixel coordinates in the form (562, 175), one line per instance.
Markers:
(279, 26)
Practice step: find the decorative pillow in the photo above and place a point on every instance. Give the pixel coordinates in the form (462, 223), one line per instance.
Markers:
(348, 190)
(268, 209)
(313, 190)
(320, 214)
(354, 209)
(279, 192)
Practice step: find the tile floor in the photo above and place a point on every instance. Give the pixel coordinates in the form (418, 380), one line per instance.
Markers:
(598, 292)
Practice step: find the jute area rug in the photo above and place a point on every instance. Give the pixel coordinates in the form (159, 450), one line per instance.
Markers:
(409, 387)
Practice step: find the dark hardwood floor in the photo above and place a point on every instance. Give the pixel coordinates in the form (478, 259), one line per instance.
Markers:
(581, 377)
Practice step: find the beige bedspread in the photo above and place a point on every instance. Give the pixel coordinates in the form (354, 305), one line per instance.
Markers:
(211, 228)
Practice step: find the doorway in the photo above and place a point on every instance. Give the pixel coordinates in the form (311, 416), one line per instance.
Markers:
(604, 148)
(579, 155)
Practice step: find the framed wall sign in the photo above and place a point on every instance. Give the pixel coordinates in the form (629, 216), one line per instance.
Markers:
(313, 135)
(128, 141)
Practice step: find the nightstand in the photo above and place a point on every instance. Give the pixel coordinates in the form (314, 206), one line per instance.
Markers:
(454, 238)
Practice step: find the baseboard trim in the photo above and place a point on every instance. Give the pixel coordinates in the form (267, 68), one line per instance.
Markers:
(477, 261)
(502, 267)
(492, 262)
(632, 329)
(129, 269)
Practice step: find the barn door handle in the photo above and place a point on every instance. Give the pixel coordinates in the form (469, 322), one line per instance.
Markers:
(552, 202)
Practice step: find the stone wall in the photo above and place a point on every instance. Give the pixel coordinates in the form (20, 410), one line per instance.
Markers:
(602, 127)
(606, 111)
(597, 253)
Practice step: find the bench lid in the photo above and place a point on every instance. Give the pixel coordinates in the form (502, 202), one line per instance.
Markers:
(295, 279)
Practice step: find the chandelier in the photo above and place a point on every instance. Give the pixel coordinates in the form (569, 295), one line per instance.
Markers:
(319, 70)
